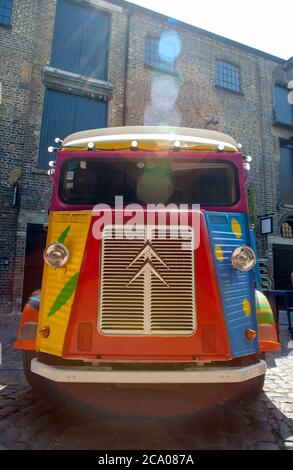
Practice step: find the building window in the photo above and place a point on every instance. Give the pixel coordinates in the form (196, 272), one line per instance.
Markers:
(287, 229)
(5, 12)
(227, 76)
(81, 40)
(286, 173)
(154, 58)
(283, 110)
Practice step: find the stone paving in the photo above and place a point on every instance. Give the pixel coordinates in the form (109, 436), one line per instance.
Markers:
(30, 423)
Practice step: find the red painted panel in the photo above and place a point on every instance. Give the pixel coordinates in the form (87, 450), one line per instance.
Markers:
(208, 306)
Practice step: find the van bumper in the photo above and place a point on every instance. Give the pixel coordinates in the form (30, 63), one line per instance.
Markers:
(191, 375)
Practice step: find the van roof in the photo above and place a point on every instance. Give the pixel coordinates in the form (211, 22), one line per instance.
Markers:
(150, 138)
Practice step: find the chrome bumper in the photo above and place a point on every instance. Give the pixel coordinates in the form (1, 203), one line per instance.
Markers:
(195, 375)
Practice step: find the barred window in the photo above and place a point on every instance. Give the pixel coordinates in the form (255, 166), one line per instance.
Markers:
(153, 58)
(227, 76)
(5, 12)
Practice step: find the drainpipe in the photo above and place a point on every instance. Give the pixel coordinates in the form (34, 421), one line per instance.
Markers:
(124, 115)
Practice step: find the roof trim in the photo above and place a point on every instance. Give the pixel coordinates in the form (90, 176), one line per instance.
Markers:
(216, 37)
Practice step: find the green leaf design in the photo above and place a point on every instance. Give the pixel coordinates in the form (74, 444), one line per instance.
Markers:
(62, 237)
(64, 295)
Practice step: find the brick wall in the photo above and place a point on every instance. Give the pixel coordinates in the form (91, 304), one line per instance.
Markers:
(24, 49)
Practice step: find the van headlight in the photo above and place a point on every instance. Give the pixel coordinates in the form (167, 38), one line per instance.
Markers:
(56, 255)
(243, 258)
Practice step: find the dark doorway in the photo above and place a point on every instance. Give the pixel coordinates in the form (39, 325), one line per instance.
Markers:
(33, 267)
(283, 267)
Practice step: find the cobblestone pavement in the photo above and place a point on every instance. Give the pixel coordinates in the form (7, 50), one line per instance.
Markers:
(30, 423)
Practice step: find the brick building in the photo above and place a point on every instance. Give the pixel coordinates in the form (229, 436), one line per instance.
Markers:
(68, 65)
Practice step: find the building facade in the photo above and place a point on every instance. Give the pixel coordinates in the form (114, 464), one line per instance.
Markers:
(68, 65)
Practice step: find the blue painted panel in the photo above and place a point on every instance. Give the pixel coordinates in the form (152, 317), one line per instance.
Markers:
(90, 114)
(235, 286)
(5, 12)
(64, 113)
(94, 45)
(283, 109)
(256, 270)
(80, 40)
(66, 44)
(58, 120)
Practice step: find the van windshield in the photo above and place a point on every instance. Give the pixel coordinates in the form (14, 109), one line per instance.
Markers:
(90, 181)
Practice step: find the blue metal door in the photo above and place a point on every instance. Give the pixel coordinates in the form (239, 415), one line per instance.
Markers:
(64, 113)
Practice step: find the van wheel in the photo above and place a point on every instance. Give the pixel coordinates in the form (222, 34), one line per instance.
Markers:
(37, 383)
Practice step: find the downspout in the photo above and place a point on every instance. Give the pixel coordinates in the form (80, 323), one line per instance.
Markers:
(260, 107)
(124, 115)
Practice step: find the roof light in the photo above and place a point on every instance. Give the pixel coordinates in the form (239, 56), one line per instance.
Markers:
(177, 145)
(221, 147)
(134, 145)
(51, 149)
(247, 166)
(58, 141)
(239, 146)
(91, 146)
(248, 158)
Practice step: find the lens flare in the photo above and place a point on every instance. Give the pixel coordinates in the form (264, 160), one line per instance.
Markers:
(169, 46)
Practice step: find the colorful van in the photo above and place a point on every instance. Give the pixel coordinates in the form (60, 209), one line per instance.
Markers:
(149, 268)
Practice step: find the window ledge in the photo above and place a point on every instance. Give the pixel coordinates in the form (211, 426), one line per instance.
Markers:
(39, 171)
(234, 92)
(69, 82)
(157, 68)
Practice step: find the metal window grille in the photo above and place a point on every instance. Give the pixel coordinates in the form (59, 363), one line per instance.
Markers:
(227, 76)
(153, 58)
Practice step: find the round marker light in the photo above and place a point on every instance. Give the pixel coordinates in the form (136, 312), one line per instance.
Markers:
(91, 145)
(134, 145)
(248, 158)
(51, 149)
(56, 255)
(247, 166)
(45, 331)
(243, 258)
(221, 147)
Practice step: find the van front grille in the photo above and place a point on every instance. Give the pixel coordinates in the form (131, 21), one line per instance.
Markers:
(147, 284)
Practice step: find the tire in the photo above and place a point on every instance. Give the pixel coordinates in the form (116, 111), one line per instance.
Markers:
(37, 383)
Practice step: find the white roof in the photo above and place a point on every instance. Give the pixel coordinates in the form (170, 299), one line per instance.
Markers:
(150, 137)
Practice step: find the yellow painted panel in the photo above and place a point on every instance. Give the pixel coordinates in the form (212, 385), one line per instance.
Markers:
(236, 228)
(54, 280)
